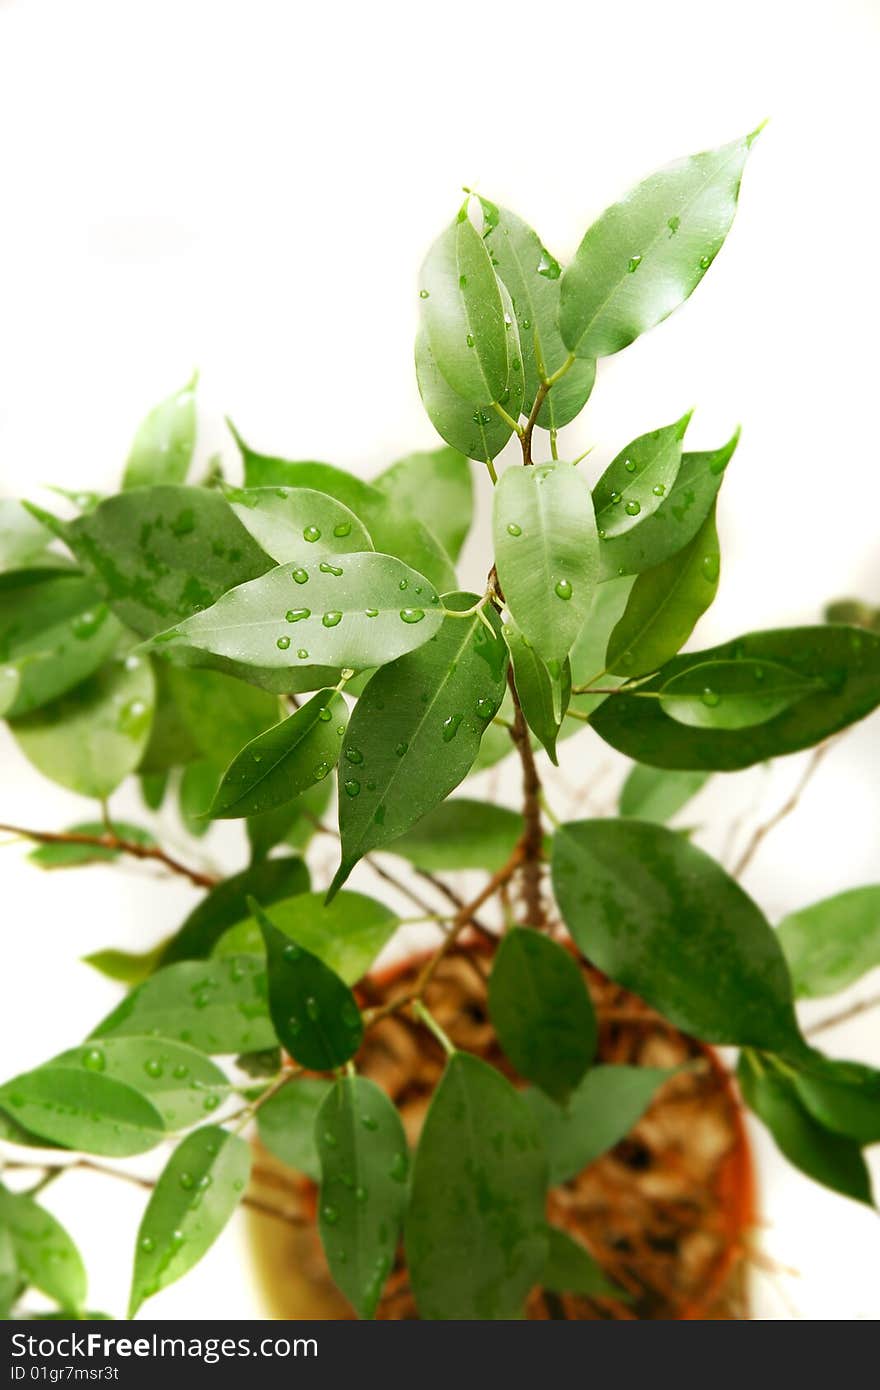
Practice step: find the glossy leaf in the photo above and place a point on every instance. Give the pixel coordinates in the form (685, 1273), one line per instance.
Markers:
(635, 483)
(47, 1257)
(830, 1159)
(315, 1014)
(604, 1108)
(436, 488)
(651, 793)
(460, 834)
(842, 1096)
(646, 254)
(665, 605)
(543, 697)
(163, 446)
(363, 611)
(475, 1234)
(285, 761)
(68, 856)
(416, 730)
(844, 662)
(541, 1011)
(546, 551)
(364, 1168)
(570, 1268)
(197, 1192)
(217, 1007)
(54, 633)
(832, 943)
(463, 315)
(587, 658)
(473, 428)
(286, 1124)
(640, 900)
(346, 934)
(90, 739)
(291, 523)
(126, 967)
(218, 713)
(184, 1085)
(83, 1109)
(733, 694)
(227, 904)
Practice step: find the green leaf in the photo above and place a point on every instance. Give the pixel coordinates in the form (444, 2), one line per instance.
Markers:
(829, 1159)
(91, 738)
(127, 967)
(227, 904)
(832, 943)
(665, 604)
(67, 856)
(153, 785)
(461, 834)
(198, 786)
(570, 1268)
(541, 1010)
(286, 1124)
(216, 1007)
(734, 694)
(473, 428)
(463, 315)
(219, 713)
(54, 633)
(184, 1085)
(842, 1096)
(83, 1109)
(47, 1257)
(291, 523)
(285, 761)
(315, 1014)
(635, 483)
(10, 1278)
(651, 793)
(23, 537)
(163, 446)
(587, 657)
(646, 254)
(163, 553)
(475, 1233)
(347, 934)
(531, 274)
(437, 489)
(10, 680)
(640, 900)
(196, 1194)
(416, 730)
(364, 1167)
(844, 661)
(364, 611)
(546, 550)
(543, 697)
(603, 1109)
(294, 825)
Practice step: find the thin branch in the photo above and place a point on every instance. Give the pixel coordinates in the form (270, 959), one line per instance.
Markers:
(532, 839)
(762, 831)
(115, 842)
(844, 1016)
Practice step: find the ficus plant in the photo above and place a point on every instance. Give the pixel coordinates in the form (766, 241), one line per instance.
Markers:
(251, 648)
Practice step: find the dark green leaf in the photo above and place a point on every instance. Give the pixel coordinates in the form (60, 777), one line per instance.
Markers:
(294, 825)
(570, 1268)
(66, 856)
(182, 1084)
(635, 483)
(285, 761)
(286, 1124)
(476, 430)
(734, 694)
(640, 901)
(475, 1234)
(461, 834)
(227, 904)
(47, 1257)
(346, 934)
(543, 697)
(842, 1096)
(153, 785)
(83, 1109)
(436, 488)
(196, 1194)
(541, 1010)
(291, 523)
(163, 446)
(651, 793)
(54, 633)
(219, 713)
(364, 1168)
(832, 943)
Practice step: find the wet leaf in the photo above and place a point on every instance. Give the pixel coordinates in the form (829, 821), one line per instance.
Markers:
(47, 1257)
(842, 1096)
(227, 904)
(346, 934)
(544, 698)
(476, 430)
(291, 523)
(163, 446)
(463, 315)
(54, 633)
(635, 483)
(831, 944)
(286, 1124)
(436, 488)
(183, 1084)
(23, 538)
(285, 761)
(733, 694)
(82, 1109)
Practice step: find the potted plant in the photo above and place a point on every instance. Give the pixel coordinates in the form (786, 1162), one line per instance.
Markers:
(529, 1116)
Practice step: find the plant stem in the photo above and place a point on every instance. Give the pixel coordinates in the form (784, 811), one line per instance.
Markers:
(432, 1026)
(785, 810)
(532, 839)
(113, 841)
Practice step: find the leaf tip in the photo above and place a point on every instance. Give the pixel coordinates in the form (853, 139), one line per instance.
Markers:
(753, 134)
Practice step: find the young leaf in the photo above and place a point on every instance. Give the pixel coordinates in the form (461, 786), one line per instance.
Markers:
(364, 611)
(570, 1268)
(184, 1085)
(832, 943)
(640, 900)
(541, 1010)
(47, 1257)
(734, 694)
(67, 856)
(646, 254)
(217, 1008)
(844, 662)
(603, 1109)
(286, 1124)
(91, 738)
(126, 967)
(543, 697)
(437, 489)
(650, 793)
(460, 834)
(476, 430)
(54, 633)
(475, 1235)
(196, 1194)
(227, 904)
(829, 1159)
(163, 446)
(636, 481)
(364, 1167)
(665, 605)
(291, 523)
(285, 761)
(416, 729)
(346, 934)
(842, 1096)
(546, 550)
(83, 1110)
(463, 315)
(315, 1014)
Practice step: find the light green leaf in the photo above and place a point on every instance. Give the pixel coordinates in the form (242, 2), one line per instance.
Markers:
(475, 429)
(54, 633)
(364, 1168)
(832, 943)
(842, 1096)
(23, 537)
(570, 1268)
(651, 793)
(10, 1277)
(183, 1084)
(46, 1255)
(544, 698)
(218, 713)
(285, 761)
(437, 489)
(346, 934)
(546, 550)
(197, 788)
(291, 523)
(587, 659)
(286, 1124)
(734, 694)
(10, 680)
(68, 856)
(461, 834)
(127, 967)
(83, 1109)
(646, 254)
(227, 904)
(635, 483)
(463, 315)
(163, 446)
(196, 1194)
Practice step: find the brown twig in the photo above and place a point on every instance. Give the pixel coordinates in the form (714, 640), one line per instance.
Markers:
(785, 810)
(529, 427)
(115, 842)
(844, 1015)
(532, 839)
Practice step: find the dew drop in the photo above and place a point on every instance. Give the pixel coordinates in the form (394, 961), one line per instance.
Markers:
(326, 568)
(629, 465)
(710, 568)
(320, 772)
(634, 263)
(424, 294)
(485, 707)
(354, 755)
(398, 1170)
(153, 1067)
(548, 266)
(369, 1123)
(325, 715)
(330, 1215)
(282, 643)
(401, 748)
(351, 1015)
(451, 726)
(352, 788)
(147, 1244)
(616, 497)
(330, 1139)
(563, 589)
(360, 1195)
(296, 615)
(659, 489)
(291, 952)
(470, 340)
(94, 1059)
(311, 534)
(633, 507)
(673, 224)
(299, 576)
(371, 612)
(404, 584)
(332, 619)
(705, 262)
(302, 653)
(210, 1103)
(313, 1009)
(412, 615)
(710, 698)
(513, 529)
(187, 1182)
(343, 529)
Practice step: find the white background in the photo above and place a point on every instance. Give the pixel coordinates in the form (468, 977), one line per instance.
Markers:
(249, 187)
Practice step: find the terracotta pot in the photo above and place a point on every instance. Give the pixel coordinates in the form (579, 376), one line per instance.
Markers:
(667, 1213)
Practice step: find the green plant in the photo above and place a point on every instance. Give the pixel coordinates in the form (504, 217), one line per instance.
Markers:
(170, 637)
